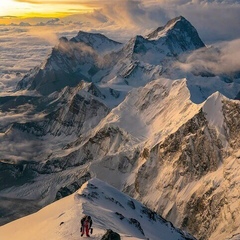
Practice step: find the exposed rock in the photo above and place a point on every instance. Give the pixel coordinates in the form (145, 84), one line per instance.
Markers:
(110, 235)
(66, 191)
(137, 224)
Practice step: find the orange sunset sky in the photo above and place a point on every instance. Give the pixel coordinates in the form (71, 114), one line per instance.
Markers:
(10, 9)
(215, 20)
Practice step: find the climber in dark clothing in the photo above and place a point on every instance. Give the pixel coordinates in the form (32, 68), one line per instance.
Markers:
(86, 224)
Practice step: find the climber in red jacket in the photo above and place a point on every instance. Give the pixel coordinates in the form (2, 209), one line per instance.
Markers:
(86, 224)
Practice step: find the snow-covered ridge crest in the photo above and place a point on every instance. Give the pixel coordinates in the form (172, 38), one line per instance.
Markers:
(152, 112)
(214, 114)
(97, 41)
(163, 30)
(109, 209)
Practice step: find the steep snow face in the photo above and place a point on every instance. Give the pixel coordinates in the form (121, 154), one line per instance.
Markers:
(109, 209)
(213, 107)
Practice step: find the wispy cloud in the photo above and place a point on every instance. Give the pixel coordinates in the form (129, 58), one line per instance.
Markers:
(8, 17)
(221, 60)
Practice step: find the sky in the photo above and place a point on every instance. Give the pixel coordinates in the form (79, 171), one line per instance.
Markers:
(36, 8)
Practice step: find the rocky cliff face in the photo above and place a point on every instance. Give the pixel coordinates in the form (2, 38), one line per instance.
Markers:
(191, 177)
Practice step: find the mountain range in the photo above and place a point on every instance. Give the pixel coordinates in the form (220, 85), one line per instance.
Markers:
(129, 115)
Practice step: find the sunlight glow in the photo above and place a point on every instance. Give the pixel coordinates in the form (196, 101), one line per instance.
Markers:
(24, 9)
(12, 8)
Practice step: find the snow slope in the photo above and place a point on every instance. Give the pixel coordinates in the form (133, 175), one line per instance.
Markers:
(152, 112)
(109, 209)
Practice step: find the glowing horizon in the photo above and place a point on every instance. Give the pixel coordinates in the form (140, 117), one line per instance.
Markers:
(29, 9)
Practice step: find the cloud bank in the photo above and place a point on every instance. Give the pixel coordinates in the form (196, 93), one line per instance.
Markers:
(20, 51)
(217, 61)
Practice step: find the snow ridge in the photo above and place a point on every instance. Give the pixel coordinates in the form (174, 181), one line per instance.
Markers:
(97, 41)
(109, 209)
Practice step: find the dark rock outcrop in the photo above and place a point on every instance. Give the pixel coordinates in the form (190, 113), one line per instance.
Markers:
(110, 235)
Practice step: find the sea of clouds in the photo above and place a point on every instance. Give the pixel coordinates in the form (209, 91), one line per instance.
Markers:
(23, 48)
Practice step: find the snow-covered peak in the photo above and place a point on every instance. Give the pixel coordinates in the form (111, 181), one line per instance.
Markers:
(109, 209)
(97, 41)
(163, 30)
(178, 30)
(178, 36)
